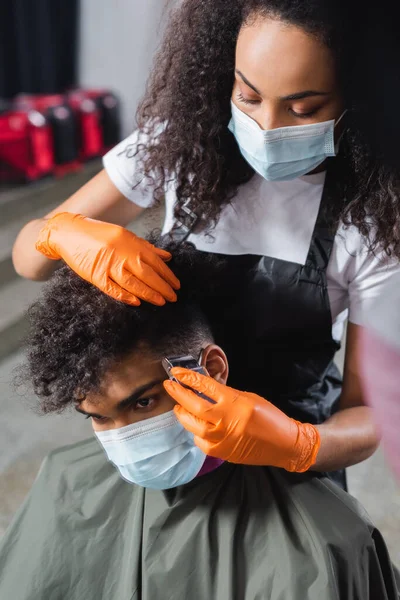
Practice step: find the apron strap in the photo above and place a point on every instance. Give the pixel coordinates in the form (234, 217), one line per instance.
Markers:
(324, 233)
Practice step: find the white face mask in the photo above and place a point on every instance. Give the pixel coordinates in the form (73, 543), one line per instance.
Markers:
(285, 153)
(156, 453)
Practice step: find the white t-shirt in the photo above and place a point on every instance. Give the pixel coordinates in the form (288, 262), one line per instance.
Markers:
(383, 316)
(275, 219)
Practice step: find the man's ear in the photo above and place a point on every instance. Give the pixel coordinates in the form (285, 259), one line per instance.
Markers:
(213, 358)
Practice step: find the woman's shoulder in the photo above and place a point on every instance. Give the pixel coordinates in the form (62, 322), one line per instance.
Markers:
(122, 166)
(365, 272)
(356, 249)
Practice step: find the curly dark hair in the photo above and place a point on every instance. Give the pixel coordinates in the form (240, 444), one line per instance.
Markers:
(186, 109)
(77, 332)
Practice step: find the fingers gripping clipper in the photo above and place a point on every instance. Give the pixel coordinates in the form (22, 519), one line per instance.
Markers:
(185, 362)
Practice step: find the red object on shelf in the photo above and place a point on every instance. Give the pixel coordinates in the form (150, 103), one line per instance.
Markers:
(88, 118)
(40, 102)
(26, 146)
(63, 124)
(108, 112)
(55, 133)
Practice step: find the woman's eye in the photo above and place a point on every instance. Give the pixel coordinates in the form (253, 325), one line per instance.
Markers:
(241, 98)
(144, 403)
(304, 115)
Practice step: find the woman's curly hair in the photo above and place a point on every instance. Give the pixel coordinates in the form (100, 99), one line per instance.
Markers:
(186, 109)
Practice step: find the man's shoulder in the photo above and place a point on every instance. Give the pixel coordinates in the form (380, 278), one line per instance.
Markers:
(83, 453)
(78, 481)
(336, 516)
(86, 447)
(71, 473)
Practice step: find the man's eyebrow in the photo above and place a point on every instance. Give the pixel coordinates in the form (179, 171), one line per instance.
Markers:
(137, 393)
(126, 401)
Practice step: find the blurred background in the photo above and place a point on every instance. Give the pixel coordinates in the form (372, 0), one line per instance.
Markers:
(71, 75)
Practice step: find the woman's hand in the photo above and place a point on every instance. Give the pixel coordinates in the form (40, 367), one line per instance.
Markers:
(241, 427)
(115, 260)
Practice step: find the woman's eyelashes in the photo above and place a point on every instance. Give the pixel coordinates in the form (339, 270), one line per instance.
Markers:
(244, 100)
(300, 115)
(304, 115)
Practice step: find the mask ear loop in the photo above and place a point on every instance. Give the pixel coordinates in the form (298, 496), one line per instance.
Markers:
(343, 132)
(341, 117)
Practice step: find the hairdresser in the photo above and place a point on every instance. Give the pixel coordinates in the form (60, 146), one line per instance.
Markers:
(257, 131)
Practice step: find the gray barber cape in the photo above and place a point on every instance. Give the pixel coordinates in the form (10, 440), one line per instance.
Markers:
(238, 533)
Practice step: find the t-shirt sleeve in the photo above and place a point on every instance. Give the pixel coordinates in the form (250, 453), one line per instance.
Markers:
(384, 315)
(120, 164)
(371, 282)
(368, 276)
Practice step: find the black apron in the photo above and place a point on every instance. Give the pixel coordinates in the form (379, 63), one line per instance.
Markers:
(274, 322)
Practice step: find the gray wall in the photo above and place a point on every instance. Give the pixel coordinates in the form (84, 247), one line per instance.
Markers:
(117, 43)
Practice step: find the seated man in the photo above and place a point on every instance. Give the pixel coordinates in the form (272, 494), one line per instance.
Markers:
(161, 520)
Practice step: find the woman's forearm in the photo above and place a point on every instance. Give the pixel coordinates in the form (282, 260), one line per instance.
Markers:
(98, 199)
(28, 262)
(347, 438)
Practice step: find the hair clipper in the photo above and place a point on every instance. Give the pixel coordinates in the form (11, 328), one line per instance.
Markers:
(185, 362)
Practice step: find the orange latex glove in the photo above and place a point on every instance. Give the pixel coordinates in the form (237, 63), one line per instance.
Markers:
(110, 257)
(241, 427)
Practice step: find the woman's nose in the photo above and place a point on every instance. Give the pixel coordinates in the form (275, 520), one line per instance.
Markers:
(268, 121)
